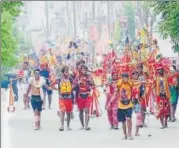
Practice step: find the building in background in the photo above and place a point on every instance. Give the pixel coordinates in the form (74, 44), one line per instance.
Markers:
(175, 61)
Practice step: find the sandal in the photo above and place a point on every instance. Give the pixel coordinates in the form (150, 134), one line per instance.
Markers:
(124, 138)
(112, 127)
(116, 128)
(173, 120)
(145, 125)
(82, 128)
(69, 129)
(131, 138)
(61, 129)
(137, 134)
(37, 128)
(162, 127)
(87, 128)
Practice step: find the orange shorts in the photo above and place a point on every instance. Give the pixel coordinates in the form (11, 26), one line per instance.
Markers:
(84, 103)
(65, 105)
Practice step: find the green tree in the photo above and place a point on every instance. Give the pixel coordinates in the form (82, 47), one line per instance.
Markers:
(169, 24)
(130, 13)
(9, 11)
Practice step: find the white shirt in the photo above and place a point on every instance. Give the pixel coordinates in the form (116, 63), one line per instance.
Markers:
(25, 78)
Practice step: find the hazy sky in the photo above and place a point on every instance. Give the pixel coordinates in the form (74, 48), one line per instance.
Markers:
(165, 46)
(38, 17)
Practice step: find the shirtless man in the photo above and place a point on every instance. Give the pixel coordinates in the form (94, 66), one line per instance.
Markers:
(83, 100)
(35, 86)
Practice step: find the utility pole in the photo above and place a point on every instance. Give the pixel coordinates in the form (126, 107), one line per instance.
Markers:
(69, 17)
(93, 43)
(47, 22)
(74, 18)
(108, 9)
(74, 25)
(93, 8)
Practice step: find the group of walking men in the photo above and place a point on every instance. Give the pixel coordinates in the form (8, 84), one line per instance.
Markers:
(126, 93)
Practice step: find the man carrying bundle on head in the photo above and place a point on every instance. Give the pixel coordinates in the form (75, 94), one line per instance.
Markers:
(83, 100)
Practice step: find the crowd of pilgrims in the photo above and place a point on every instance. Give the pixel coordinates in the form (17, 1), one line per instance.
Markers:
(126, 93)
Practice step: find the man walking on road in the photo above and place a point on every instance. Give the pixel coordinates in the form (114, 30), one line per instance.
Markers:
(35, 86)
(24, 75)
(65, 89)
(46, 74)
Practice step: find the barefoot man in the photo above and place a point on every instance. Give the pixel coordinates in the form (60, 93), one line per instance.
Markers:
(35, 86)
(84, 87)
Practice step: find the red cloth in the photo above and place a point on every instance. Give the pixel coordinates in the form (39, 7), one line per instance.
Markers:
(172, 77)
(112, 117)
(98, 72)
(135, 92)
(21, 73)
(143, 102)
(84, 103)
(164, 106)
(113, 105)
(65, 105)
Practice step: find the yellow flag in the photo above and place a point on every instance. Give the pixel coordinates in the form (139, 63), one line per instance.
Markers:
(144, 53)
(142, 36)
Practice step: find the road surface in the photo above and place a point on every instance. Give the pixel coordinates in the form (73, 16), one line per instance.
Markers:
(17, 131)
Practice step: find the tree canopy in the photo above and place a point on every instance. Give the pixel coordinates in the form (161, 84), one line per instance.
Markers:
(169, 24)
(9, 10)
